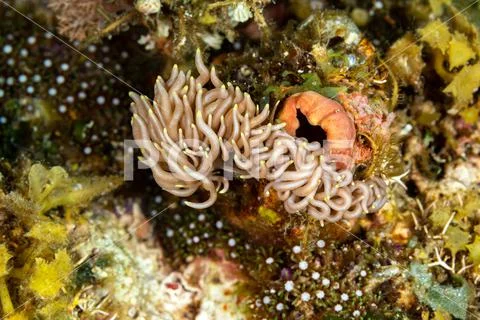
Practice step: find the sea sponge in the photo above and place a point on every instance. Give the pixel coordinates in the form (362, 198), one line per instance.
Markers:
(191, 137)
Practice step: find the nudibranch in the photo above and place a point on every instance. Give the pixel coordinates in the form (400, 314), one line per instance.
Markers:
(196, 135)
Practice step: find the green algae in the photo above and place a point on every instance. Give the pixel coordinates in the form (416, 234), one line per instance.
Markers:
(454, 300)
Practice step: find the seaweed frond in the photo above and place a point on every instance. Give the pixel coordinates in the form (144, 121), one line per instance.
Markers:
(49, 277)
(50, 188)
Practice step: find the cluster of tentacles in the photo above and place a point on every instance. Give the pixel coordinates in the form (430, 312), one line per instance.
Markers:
(195, 137)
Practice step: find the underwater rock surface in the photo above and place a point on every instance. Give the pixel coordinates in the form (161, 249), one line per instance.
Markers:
(332, 173)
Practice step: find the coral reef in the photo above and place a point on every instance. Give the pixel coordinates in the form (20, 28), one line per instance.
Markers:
(94, 264)
(254, 210)
(39, 261)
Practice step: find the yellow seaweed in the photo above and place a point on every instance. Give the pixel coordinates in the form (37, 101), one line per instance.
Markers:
(49, 277)
(437, 35)
(53, 188)
(459, 51)
(464, 84)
